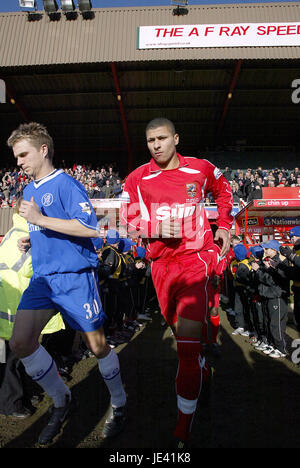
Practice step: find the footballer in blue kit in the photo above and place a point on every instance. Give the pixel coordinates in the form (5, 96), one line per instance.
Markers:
(62, 228)
(65, 267)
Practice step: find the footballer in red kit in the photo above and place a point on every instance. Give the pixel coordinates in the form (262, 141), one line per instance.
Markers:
(165, 205)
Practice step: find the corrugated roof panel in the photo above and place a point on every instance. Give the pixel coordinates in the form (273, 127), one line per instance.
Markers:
(112, 35)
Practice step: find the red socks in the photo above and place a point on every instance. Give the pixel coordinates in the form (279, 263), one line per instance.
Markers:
(189, 377)
(214, 326)
(215, 323)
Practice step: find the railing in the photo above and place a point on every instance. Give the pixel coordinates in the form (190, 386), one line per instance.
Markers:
(105, 208)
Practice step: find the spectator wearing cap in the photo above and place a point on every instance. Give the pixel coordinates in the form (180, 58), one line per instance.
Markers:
(240, 269)
(141, 252)
(98, 243)
(292, 270)
(257, 304)
(274, 288)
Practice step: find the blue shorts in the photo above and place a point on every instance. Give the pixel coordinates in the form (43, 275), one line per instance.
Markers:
(74, 295)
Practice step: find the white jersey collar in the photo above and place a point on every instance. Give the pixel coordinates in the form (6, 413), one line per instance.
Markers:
(37, 183)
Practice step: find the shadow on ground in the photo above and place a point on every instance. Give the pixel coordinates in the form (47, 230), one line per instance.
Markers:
(254, 401)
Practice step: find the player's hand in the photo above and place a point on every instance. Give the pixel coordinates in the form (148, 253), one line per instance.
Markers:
(169, 228)
(24, 244)
(30, 211)
(255, 266)
(224, 237)
(140, 265)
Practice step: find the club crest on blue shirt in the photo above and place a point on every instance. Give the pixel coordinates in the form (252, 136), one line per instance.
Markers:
(47, 199)
(191, 190)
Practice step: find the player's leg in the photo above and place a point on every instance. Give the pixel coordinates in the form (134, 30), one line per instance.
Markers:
(109, 367)
(83, 310)
(40, 366)
(183, 294)
(34, 312)
(192, 310)
(27, 330)
(192, 372)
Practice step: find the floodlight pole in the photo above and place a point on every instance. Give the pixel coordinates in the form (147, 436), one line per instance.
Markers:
(230, 91)
(123, 116)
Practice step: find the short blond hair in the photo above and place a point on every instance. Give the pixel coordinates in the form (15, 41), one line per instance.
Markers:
(35, 133)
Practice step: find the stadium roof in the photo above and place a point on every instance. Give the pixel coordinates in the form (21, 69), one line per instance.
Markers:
(69, 74)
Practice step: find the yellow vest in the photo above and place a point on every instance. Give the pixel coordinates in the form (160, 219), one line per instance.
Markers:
(15, 273)
(233, 267)
(118, 270)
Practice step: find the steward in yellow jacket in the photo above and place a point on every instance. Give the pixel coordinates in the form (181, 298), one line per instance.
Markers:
(15, 273)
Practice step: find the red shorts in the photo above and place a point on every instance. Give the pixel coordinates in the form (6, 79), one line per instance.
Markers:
(181, 285)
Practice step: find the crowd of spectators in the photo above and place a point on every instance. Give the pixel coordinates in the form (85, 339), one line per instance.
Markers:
(106, 182)
(100, 182)
(247, 184)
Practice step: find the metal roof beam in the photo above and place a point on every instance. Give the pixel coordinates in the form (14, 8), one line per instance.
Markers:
(123, 115)
(152, 68)
(151, 90)
(230, 91)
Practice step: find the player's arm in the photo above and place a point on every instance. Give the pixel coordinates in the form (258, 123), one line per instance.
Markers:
(222, 193)
(72, 227)
(139, 218)
(134, 214)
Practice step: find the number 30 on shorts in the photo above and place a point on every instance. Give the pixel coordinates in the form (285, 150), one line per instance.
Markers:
(89, 311)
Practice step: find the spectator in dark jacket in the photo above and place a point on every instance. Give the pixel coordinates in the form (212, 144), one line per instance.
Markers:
(255, 194)
(292, 270)
(274, 287)
(108, 190)
(240, 270)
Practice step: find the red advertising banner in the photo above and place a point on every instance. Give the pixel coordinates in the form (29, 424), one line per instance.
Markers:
(281, 193)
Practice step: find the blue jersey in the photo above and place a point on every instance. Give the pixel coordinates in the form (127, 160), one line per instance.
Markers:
(60, 196)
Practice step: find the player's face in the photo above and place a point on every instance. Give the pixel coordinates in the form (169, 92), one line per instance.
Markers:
(162, 146)
(29, 158)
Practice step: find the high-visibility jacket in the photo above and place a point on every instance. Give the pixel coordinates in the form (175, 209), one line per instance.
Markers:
(234, 266)
(15, 273)
(117, 267)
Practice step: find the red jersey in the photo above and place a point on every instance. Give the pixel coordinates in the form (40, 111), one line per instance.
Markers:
(154, 195)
